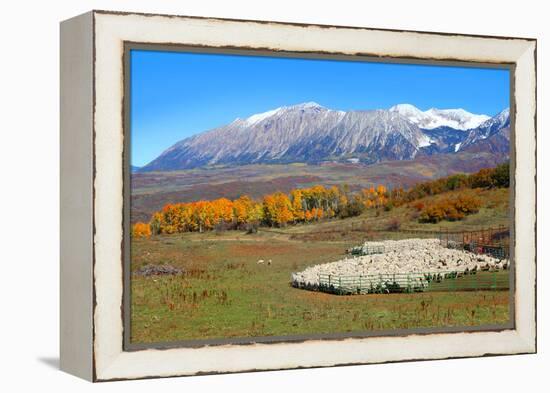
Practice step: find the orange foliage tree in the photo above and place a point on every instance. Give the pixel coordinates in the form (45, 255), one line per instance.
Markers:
(141, 230)
(277, 209)
(319, 202)
(450, 209)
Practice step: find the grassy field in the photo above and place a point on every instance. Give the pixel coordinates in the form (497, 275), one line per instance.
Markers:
(226, 293)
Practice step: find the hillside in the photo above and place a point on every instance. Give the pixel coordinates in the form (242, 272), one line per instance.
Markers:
(375, 225)
(452, 198)
(152, 190)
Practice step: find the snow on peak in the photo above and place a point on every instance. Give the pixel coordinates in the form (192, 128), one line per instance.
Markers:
(307, 105)
(258, 117)
(405, 109)
(499, 120)
(433, 118)
(458, 119)
(505, 114)
(410, 112)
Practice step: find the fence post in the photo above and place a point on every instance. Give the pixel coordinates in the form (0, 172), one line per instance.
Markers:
(360, 284)
(329, 276)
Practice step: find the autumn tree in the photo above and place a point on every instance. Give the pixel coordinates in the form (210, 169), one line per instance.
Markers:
(242, 208)
(222, 210)
(156, 223)
(141, 230)
(277, 209)
(297, 205)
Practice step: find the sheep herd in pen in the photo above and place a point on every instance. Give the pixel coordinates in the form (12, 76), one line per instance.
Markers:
(388, 265)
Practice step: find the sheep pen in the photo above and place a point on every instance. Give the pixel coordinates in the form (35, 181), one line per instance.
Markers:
(411, 265)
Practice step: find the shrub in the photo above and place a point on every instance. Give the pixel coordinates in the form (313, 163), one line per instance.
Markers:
(501, 175)
(251, 228)
(352, 209)
(141, 230)
(394, 224)
(155, 223)
(483, 179)
(432, 214)
(451, 209)
(452, 214)
(457, 181)
(467, 203)
(223, 226)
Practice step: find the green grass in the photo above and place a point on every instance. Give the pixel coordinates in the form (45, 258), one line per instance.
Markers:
(498, 280)
(226, 293)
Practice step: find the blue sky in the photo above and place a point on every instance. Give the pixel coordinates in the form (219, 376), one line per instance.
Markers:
(175, 95)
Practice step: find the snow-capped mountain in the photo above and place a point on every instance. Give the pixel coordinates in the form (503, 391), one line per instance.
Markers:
(458, 119)
(301, 133)
(492, 135)
(311, 133)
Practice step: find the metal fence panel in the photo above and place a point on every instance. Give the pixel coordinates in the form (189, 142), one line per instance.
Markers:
(413, 282)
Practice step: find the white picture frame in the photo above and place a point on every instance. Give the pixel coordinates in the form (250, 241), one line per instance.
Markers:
(92, 193)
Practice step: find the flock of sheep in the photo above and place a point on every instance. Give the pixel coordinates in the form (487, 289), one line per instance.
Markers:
(418, 258)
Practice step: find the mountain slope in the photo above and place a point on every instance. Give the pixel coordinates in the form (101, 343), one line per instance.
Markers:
(445, 139)
(492, 135)
(301, 133)
(311, 133)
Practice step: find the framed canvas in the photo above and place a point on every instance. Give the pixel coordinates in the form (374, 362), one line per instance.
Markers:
(247, 195)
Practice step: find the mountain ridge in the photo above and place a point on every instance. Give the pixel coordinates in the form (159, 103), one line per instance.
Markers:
(458, 118)
(311, 133)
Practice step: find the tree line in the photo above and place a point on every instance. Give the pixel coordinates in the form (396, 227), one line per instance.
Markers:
(496, 177)
(454, 207)
(319, 202)
(275, 210)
